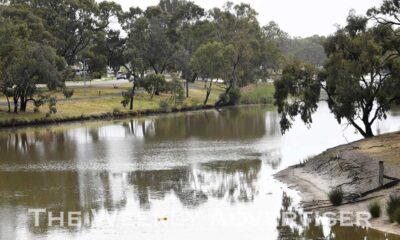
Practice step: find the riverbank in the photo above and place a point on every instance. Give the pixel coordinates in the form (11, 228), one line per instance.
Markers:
(354, 168)
(104, 102)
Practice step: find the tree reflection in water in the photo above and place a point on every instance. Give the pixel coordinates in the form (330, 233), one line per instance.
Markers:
(233, 180)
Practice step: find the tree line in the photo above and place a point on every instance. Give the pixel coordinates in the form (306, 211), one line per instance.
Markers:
(41, 40)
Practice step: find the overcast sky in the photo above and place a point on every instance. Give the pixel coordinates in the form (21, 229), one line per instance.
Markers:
(297, 17)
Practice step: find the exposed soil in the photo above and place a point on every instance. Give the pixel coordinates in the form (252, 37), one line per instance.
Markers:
(354, 168)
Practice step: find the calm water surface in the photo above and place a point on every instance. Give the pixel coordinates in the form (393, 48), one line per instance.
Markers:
(204, 175)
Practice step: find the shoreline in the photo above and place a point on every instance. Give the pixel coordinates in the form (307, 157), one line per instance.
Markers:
(16, 123)
(353, 167)
(109, 116)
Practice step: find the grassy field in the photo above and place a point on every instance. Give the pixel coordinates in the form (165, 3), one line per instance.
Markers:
(98, 100)
(107, 100)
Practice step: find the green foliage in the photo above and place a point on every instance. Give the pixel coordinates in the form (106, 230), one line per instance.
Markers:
(359, 79)
(153, 84)
(336, 196)
(212, 60)
(127, 95)
(176, 89)
(298, 84)
(309, 49)
(230, 98)
(397, 215)
(68, 93)
(52, 102)
(375, 209)
(164, 106)
(41, 41)
(30, 59)
(392, 208)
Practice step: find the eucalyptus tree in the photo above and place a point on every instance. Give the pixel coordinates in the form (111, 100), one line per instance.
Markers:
(387, 13)
(26, 55)
(359, 77)
(184, 21)
(254, 54)
(213, 61)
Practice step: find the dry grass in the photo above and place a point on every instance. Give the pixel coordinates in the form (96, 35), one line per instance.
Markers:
(385, 148)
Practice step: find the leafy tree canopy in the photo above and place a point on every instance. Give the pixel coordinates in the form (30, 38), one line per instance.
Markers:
(359, 77)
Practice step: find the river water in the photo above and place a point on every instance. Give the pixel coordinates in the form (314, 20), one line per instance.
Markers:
(199, 175)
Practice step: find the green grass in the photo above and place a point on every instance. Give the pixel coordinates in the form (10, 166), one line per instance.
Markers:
(107, 104)
(258, 94)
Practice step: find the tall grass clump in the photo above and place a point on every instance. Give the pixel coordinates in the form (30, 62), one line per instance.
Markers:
(374, 209)
(336, 196)
(393, 208)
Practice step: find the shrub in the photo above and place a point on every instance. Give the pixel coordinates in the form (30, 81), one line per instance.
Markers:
(397, 215)
(230, 98)
(176, 89)
(68, 93)
(153, 84)
(393, 205)
(164, 106)
(127, 95)
(375, 209)
(53, 110)
(116, 110)
(336, 196)
(52, 101)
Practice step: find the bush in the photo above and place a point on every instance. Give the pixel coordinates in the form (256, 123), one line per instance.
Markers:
(230, 98)
(127, 95)
(116, 110)
(397, 215)
(153, 84)
(393, 205)
(68, 93)
(375, 209)
(176, 89)
(164, 106)
(336, 196)
(52, 101)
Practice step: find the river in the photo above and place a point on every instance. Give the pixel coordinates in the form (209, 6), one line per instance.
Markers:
(199, 175)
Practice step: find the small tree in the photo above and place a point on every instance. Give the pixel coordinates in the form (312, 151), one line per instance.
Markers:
(176, 89)
(154, 84)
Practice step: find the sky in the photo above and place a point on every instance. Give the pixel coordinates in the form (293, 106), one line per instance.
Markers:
(300, 18)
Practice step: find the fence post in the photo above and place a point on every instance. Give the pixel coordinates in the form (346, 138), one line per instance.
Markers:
(381, 173)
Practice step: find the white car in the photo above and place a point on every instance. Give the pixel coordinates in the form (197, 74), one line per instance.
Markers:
(121, 76)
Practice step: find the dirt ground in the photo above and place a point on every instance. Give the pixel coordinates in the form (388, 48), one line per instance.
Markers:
(354, 168)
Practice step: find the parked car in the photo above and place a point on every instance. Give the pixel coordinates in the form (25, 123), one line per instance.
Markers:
(121, 76)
